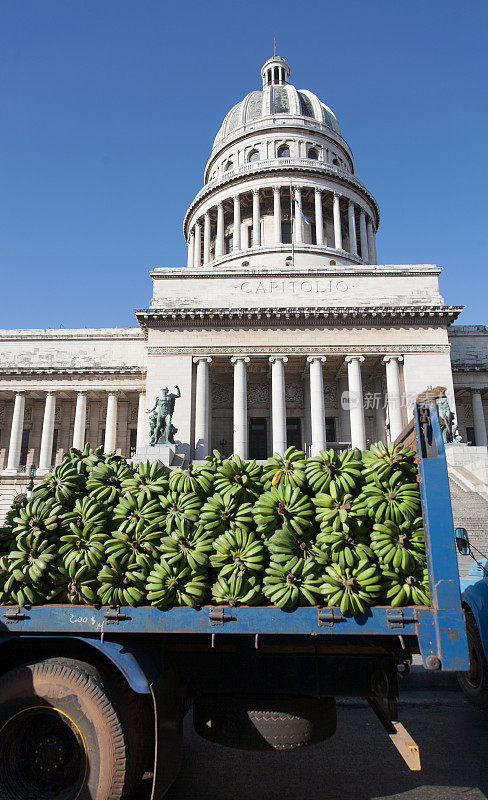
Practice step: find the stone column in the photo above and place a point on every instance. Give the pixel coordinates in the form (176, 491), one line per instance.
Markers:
(317, 404)
(142, 437)
(240, 405)
(394, 393)
(191, 248)
(219, 242)
(479, 419)
(370, 235)
(379, 410)
(319, 218)
(278, 404)
(236, 236)
(47, 434)
(256, 219)
(80, 421)
(353, 243)
(363, 236)
(298, 217)
(202, 407)
(198, 245)
(277, 214)
(206, 238)
(16, 432)
(337, 223)
(111, 423)
(375, 253)
(356, 409)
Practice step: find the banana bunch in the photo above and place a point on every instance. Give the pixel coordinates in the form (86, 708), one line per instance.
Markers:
(187, 545)
(384, 461)
(178, 508)
(283, 506)
(85, 547)
(298, 586)
(336, 509)
(34, 557)
(347, 546)
(399, 547)
(64, 484)
(175, 584)
(134, 513)
(38, 516)
(87, 515)
(411, 586)
(222, 513)
(17, 587)
(147, 481)
(237, 589)
(76, 584)
(288, 469)
(83, 460)
(105, 481)
(121, 586)
(238, 551)
(287, 548)
(214, 460)
(241, 479)
(353, 589)
(134, 548)
(195, 479)
(331, 470)
(392, 499)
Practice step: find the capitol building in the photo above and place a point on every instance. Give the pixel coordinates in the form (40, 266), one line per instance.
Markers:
(283, 328)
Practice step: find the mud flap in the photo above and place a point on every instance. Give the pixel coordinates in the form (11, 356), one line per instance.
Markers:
(170, 706)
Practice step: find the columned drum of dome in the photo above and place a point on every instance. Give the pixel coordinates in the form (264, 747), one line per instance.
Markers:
(279, 140)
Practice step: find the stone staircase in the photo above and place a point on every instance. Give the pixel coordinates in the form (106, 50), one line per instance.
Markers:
(470, 511)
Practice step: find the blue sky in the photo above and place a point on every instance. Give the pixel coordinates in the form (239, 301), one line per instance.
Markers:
(110, 108)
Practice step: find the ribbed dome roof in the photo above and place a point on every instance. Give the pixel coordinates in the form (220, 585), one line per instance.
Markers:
(277, 98)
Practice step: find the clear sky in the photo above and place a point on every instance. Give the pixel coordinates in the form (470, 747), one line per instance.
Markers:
(110, 107)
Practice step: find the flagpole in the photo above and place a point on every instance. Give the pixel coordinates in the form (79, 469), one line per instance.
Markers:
(291, 222)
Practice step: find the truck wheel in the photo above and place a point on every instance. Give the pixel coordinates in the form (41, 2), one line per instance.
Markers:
(474, 682)
(60, 735)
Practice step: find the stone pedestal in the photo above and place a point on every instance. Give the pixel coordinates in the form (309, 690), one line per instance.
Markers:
(167, 455)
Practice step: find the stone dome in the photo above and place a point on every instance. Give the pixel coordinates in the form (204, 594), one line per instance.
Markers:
(276, 97)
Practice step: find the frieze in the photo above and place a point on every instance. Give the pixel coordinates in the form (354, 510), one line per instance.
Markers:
(300, 349)
(294, 393)
(2, 413)
(222, 394)
(258, 394)
(330, 394)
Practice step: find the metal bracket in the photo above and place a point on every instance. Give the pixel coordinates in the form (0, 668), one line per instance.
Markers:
(14, 616)
(326, 617)
(395, 618)
(218, 616)
(114, 616)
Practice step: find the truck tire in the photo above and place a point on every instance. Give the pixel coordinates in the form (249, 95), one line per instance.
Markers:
(61, 735)
(474, 682)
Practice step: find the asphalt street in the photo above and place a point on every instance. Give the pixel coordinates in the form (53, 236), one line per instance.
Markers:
(359, 762)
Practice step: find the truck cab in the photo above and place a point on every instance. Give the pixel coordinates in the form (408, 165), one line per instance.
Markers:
(474, 596)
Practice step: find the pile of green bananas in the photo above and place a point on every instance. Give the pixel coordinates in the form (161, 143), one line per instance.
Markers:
(341, 529)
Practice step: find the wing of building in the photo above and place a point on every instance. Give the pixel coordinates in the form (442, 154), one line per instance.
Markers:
(282, 329)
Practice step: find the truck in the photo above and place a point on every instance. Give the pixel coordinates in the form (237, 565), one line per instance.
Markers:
(92, 697)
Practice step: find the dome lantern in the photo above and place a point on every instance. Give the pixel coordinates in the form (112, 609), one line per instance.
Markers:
(275, 72)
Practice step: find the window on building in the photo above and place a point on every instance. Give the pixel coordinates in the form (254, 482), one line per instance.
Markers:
(286, 232)
(24, 448)
(330, 429)
(132, 441)
(55, 445)
(335, 162)
(228, 166)
(313, 233)
(313, 153)
(102, 436)
(245, 264)
(284, 151)
(250, 236)
(229, 244)
(333, 263)
(470, 436)
(253, 156)
(294, 432)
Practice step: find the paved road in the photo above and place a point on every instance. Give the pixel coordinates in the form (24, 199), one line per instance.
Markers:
(358, 763)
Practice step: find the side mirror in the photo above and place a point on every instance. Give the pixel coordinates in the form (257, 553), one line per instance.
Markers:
(462, 541)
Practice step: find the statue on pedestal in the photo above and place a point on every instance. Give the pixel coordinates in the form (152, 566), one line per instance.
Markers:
(449, 427)
(161, 430)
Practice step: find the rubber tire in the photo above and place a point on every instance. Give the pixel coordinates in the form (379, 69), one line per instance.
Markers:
(475, 689)
(79, 692)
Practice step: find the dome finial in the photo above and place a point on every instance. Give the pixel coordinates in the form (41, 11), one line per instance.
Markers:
(274, 50)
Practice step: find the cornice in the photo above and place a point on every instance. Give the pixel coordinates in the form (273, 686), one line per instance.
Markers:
(341, 270)
(63, 370)
(71, 334)
(325, 316)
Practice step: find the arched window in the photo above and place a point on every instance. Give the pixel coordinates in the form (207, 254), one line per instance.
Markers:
(253, 156)
(245, 264)
(284, 151)
(335, 162)
(313, 154)
(228, 166)
(333, 263)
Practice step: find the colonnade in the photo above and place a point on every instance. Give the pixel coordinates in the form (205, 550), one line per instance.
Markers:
(351, 401)
(367, 239)
(479, 424)
(78, 439)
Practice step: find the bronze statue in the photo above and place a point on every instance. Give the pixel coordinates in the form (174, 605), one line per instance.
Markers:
(449, 428)
(161, 430)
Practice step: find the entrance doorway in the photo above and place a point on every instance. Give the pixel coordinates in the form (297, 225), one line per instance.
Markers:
(294, 432)
(258, 438)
